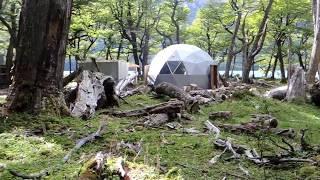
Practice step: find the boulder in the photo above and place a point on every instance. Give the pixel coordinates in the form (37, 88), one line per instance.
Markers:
(278, 93)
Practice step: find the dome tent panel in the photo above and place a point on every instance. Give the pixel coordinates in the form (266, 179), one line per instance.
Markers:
(194, 67)
(198, 56)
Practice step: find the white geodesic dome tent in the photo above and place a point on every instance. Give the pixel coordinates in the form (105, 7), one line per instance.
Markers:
(181, 65)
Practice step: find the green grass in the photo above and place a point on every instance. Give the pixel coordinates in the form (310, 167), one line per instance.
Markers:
(189, 154)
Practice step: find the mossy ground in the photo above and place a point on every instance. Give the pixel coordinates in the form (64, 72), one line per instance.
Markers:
(188, 155)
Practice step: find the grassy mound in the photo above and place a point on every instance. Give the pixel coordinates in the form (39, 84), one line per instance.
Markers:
(30, 144)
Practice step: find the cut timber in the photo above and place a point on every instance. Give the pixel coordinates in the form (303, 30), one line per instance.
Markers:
(94, 90)
(297, 86)
(220, 115)
(170, 107)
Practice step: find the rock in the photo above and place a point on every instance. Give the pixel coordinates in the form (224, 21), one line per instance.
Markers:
(278, 93)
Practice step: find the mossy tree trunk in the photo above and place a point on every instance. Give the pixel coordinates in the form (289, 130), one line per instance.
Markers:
(39, 65)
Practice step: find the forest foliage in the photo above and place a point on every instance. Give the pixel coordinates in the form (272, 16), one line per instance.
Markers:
(135, 29)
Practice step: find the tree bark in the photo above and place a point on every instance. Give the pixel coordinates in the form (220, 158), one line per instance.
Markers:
(274, 68)
(174, 21)
(296, 88)
(301, 60)
(12, 41)
(315, 54)
(280, 58)
(257, 44)
(38, 75)
(233, 43)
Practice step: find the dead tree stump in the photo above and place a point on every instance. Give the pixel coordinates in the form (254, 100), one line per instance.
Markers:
(95, 90)
(315, 94)
(297, 86)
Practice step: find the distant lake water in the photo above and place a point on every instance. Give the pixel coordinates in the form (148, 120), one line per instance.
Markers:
(257, 74)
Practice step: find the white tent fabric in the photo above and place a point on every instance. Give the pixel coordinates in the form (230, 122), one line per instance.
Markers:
(181, 64)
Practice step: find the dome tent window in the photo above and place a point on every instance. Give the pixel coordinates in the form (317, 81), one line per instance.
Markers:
(165, 69)
(173, 65)
(181, 65)
(180, 69)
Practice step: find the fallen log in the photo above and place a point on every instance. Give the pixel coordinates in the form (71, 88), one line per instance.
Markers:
(170, 107)
(190, 103)
(204, 93)
(172, 91)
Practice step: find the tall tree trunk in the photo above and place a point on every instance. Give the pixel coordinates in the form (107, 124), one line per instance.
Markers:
(209, 44)
(257, 44)
(174, 21)
(39, 66)
(270, 61)
(119, 49)
(315, 54)
(12, 28)
(281, 62)
(146, 48)
(246, 65)
(268, 68)
(135, 50)
(274, 68)
(233, 64)
(232, 45)
(299, 54)
(290, 57)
